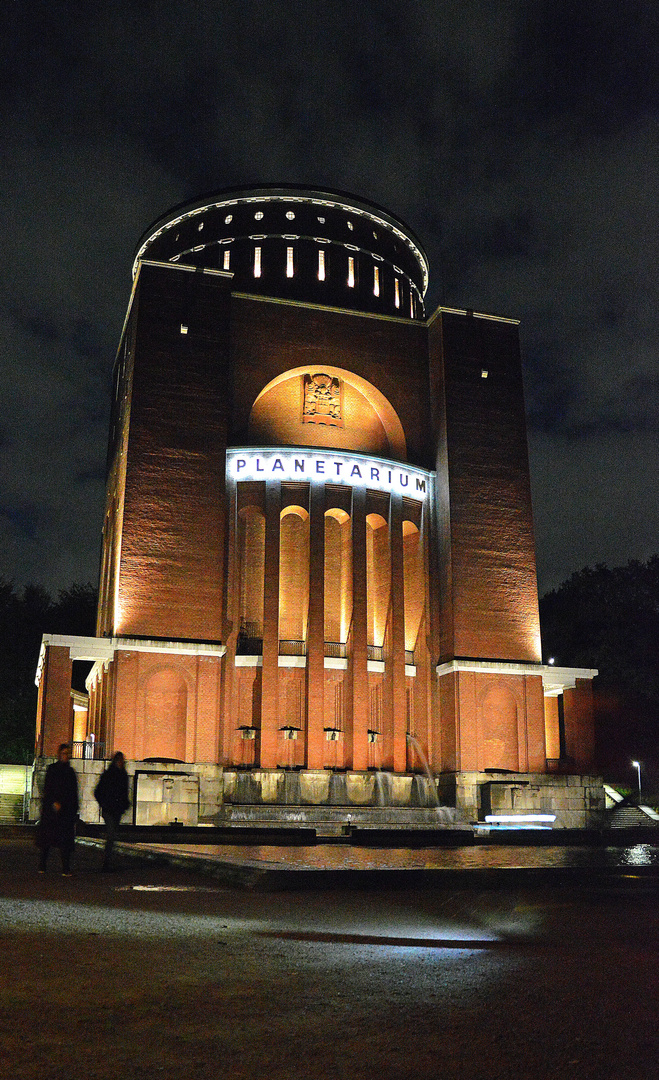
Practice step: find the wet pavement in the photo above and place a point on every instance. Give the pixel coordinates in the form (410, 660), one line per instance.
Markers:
(288, 866)
(159, 972)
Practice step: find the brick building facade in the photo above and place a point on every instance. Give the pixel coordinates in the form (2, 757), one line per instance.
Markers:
(318, 547)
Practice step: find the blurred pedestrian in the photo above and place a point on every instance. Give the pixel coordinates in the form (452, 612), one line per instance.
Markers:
(59, 811)
(111, 794)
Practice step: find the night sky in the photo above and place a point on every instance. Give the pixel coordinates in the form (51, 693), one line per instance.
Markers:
(519, 139)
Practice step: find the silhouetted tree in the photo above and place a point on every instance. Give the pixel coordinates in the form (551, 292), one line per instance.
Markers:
(609, 619)
(24, 616)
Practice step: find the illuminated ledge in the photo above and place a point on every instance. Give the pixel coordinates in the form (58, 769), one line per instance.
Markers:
(380, 315)
(557, 679)
(474, 314)
(554, 679)
(197, 648)
(332, 663)
(102, 650)
(249, 660)
(336, 663)
(185, 266)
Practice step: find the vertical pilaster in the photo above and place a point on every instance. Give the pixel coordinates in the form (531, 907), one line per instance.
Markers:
(207, 734)
(101, 717)
(359, 634)
(57, 719)
(270, 684)
(396, 659)
(579, 732)
(316, 629)
(228, 689)
(129, 719)
(110, 674)
(552, 730)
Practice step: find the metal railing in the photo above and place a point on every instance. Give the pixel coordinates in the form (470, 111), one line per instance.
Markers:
(409, 656)
(249, 646)
(375, 652)
(288, 647)
(92, 751)
(336, 648)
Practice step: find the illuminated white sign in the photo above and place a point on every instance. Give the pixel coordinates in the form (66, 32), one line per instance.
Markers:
(327, 467)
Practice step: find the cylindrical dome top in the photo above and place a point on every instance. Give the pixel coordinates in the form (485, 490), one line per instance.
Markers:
(323, 247)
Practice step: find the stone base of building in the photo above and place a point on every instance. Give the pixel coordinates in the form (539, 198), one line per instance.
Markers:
(577, 802)
(198, 794)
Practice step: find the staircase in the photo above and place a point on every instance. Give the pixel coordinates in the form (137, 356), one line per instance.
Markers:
(11, 809)
(628, 816)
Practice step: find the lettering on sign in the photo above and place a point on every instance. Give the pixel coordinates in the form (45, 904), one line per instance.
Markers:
(330, 468)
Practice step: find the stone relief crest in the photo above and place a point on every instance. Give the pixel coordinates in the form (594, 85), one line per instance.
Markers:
(322, 400)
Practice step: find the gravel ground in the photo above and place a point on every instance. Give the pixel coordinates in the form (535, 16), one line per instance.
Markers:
(155, 972)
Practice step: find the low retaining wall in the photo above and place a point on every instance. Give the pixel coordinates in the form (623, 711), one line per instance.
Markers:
(201, 793)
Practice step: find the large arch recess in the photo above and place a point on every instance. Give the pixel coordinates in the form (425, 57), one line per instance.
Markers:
(369, 423)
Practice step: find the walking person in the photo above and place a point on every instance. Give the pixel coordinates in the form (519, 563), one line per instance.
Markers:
(59, 811)
(111, 794)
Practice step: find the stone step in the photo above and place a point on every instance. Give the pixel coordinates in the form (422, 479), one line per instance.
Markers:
(11, 809)
(631, 817)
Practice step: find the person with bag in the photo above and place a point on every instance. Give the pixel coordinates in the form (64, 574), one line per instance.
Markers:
(111, 794)
(59, 811)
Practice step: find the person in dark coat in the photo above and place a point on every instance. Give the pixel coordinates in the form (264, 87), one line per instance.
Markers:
(111, 793)
(59, 811)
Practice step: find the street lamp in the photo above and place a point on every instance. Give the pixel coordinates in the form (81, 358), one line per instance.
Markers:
(637, 766)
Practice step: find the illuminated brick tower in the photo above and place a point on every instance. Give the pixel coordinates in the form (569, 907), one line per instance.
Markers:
(318, 545)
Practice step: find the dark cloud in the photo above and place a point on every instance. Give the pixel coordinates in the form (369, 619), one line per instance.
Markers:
(519, 139)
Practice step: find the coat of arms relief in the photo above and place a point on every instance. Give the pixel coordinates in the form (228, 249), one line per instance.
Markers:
(322, 400)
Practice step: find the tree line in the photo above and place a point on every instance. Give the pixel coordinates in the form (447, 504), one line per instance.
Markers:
(608, 618)
(26, 614)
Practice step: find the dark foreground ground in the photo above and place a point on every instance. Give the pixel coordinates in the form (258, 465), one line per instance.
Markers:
(158, 972)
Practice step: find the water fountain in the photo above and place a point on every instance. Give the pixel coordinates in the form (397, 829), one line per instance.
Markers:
(431, 786)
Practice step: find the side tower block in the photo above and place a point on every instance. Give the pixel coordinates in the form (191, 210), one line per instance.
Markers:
(318, 576)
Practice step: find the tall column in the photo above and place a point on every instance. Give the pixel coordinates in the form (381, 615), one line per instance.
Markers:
(316, 629)
(359, 634)
(270, 683)
(228, 683)
(129, 719)
(397, 657)
(579, 730)
(57, 716)
(552, 731)
(207, 733)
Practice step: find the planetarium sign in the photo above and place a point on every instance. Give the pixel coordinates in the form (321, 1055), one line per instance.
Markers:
(328, 467)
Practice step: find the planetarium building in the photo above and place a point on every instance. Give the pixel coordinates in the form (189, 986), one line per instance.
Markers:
(318, 587)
